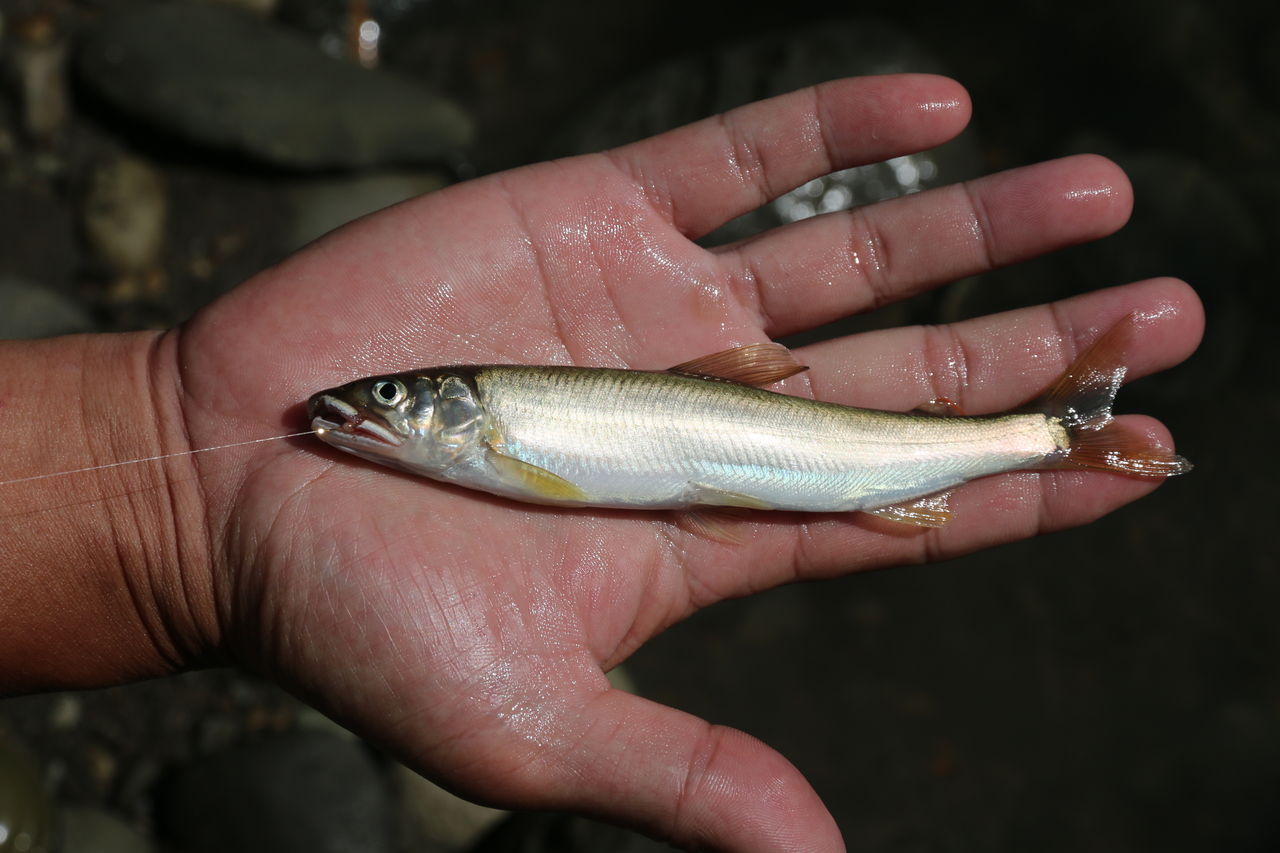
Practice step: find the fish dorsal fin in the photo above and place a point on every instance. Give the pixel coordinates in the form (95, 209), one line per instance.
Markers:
(929, 511)
(1082, 397)
(753, 364)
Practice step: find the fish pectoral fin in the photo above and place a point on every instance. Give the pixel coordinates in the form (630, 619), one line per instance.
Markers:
(704, 495)
(538, 483)
(929, 511)
(753, 364)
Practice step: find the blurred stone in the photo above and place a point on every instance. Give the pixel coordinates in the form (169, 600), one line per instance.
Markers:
(24, 804)
(65, 712)
(36, 64)
(309, 719)
(262, 8)
(87, 830)
(436, 820)
(229, 80)
(323, 204)
(123, 218)
(559, 833)
(31, 311)
(301, 792)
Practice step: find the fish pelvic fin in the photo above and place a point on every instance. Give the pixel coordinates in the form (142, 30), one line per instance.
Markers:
(715, 523)
(753, 364)
(1081, 402)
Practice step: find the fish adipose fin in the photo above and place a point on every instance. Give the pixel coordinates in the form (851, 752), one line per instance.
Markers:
(753, 364)
(929, 511)
(538, 483)
(1081, 401)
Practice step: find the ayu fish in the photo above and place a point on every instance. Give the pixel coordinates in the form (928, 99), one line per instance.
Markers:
(704, 434)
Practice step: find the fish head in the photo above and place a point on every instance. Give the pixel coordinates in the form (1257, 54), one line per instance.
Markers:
(422, 421)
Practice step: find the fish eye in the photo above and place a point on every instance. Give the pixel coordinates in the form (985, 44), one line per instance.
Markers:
(388, 392)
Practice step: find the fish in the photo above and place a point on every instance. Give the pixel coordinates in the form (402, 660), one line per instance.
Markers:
(707, 434)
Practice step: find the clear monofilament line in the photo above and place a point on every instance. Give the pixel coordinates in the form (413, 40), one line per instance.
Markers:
(154, 458)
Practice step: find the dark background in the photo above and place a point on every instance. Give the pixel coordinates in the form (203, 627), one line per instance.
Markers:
(1109, 688)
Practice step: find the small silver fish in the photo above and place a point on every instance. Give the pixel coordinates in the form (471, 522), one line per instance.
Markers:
(703, 434)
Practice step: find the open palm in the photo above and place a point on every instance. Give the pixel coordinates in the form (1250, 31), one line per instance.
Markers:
(468, 634)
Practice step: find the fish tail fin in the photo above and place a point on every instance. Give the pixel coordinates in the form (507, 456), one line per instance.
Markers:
(1081, 401)
(1114, 448)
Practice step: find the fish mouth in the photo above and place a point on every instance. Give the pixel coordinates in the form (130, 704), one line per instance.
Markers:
(338, 422)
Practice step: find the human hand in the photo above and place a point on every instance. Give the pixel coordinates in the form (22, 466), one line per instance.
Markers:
(469, 635)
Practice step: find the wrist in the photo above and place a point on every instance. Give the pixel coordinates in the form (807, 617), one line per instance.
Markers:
(105, 573)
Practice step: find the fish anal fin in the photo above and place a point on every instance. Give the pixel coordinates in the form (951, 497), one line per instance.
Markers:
(943, 407)
(538, 483)
(929, 511)
(1115, 448)
(753, 364)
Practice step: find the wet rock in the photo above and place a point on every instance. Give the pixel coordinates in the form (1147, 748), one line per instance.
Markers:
(86, 830)
(24, 804)
(229, 80)
(32, 311)
(303, 791)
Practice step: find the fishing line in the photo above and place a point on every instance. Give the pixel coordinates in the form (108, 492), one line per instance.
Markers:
(154, 458)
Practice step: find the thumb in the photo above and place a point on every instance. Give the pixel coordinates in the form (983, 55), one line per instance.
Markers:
(672, 775)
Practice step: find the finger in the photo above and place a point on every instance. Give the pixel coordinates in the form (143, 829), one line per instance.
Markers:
(679, 778)
(820, 269)
(993, 363)
(988, 364)
(704, 174)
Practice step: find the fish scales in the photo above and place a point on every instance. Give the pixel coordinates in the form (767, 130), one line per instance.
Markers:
(633, 438)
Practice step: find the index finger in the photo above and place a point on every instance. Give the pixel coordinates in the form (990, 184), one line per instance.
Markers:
(704, 174)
